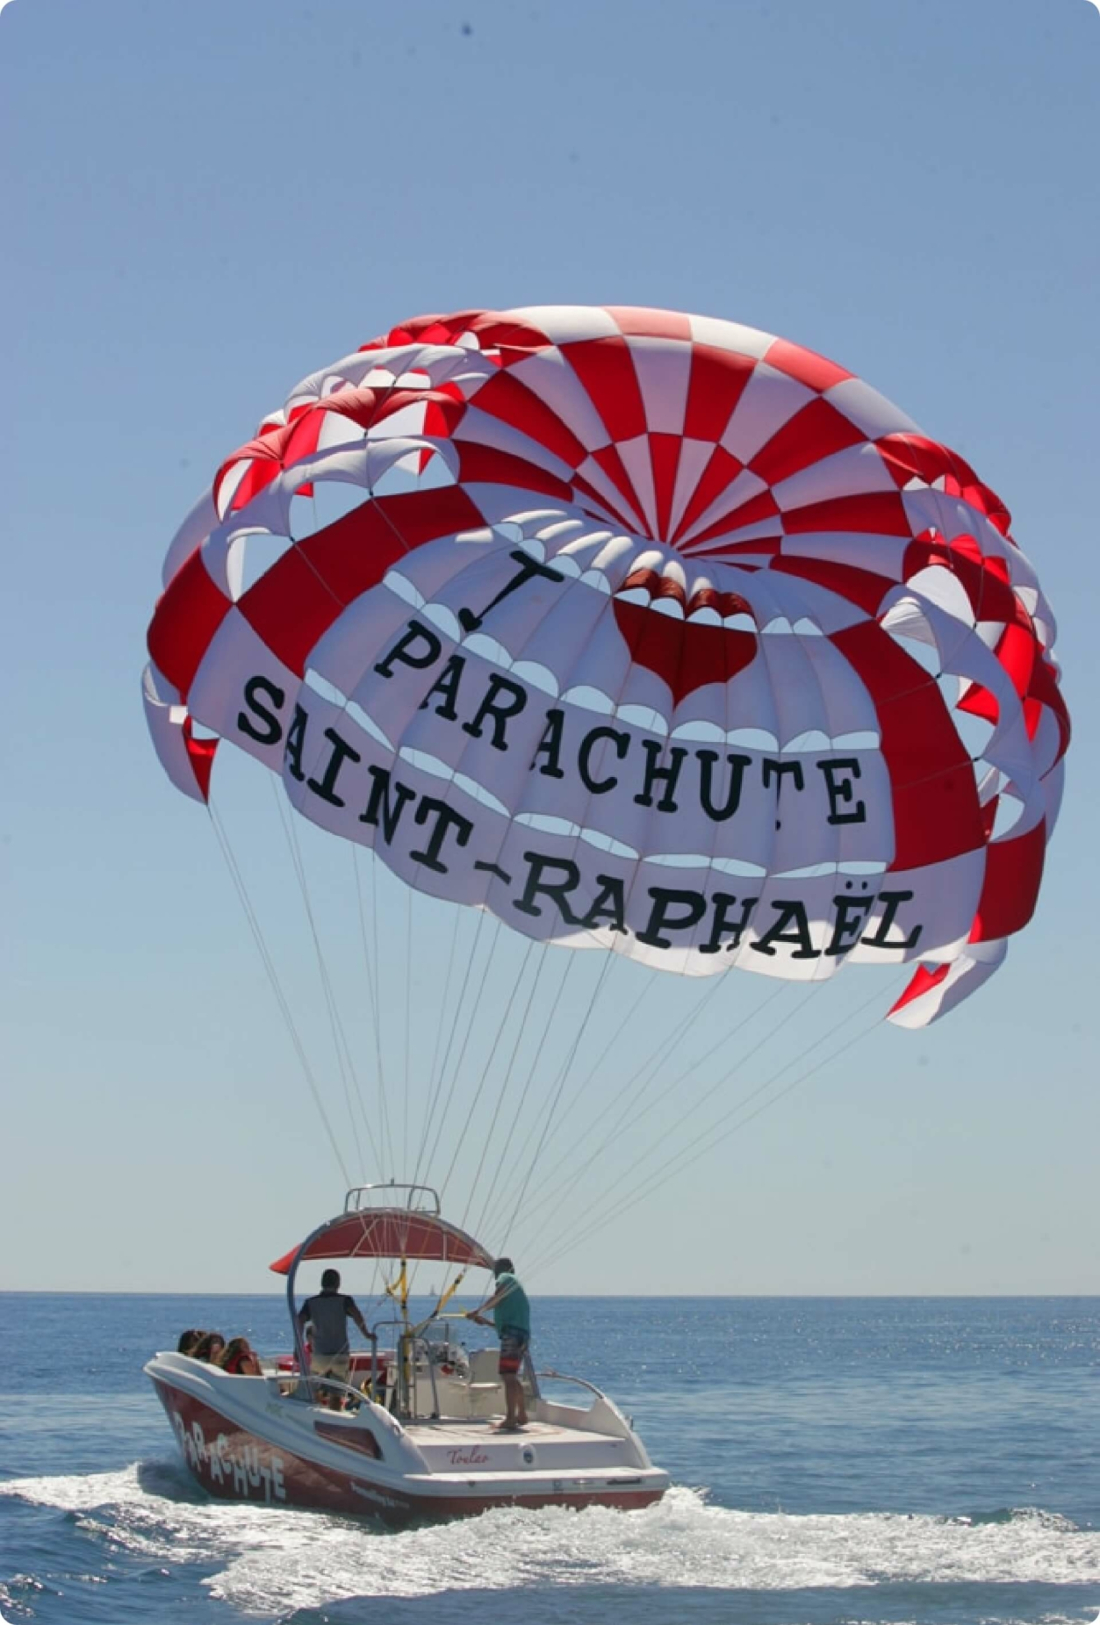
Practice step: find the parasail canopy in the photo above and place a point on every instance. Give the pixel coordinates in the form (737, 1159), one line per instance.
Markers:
(643, 631)
(389, 1233)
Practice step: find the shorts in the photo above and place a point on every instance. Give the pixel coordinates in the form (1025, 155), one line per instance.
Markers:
(513, 1346)
(331, 1365)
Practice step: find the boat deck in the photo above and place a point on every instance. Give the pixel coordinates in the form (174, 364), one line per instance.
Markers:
(449, 1446)
(453, 1430)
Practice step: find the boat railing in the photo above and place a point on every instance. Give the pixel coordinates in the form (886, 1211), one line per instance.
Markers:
(308, 1390)
(601, 1416)
(560, 1376)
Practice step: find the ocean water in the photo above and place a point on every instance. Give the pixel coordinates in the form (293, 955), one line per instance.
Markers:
(835, 1462)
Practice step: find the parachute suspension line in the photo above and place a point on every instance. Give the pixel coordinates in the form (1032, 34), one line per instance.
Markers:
(537, 1053)
(521, 1031)
(662, 1177)
(437, 1082)
(486, 1066)
(498, 1110)
(344, 1061)
(824, 1061)
(707, 1140)
(624, 1022)
(470, 1026)
(550, 1097)
(276, 985)
(543, 1068)
(626, 1122)
(591, 1216)
(339, 1041)
(372, 989)
(408, 1025)
(651, 1065)
(458, 915)
(375, 875)
(630, 1117)
(562, 1077)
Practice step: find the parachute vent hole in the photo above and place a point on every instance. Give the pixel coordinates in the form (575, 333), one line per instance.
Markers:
(422, 469)
(925, 655)
(989, 780)
(334, 499)
(975, 732)
(328, 501)
(1009, 811)
(321, 685)
(251, 557)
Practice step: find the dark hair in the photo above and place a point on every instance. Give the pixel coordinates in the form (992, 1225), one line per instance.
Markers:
(189, 1341)
(504, 1266)
(204, 1348)
(235, 1350)
(330, 1278)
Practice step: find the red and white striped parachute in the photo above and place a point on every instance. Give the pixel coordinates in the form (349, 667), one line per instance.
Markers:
(643, 631)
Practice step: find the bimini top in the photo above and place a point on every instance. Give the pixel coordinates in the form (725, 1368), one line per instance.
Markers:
(388, 1233)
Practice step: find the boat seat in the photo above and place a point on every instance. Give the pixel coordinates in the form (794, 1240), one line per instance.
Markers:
(484, 1368)
(485, 1391)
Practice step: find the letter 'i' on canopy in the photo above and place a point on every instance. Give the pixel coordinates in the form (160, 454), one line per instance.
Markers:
(643, 631)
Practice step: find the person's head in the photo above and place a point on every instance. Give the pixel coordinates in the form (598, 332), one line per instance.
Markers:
(504, 1266)
(233, 1350)
(189, 1341)
(209, 1347)
(330, 1281)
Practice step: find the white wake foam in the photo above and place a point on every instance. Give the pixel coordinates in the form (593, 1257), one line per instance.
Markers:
(276, 1560)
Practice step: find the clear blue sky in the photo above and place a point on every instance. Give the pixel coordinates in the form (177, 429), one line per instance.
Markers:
(204, 202)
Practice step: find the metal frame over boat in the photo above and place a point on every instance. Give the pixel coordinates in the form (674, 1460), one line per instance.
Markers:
(410, 1435)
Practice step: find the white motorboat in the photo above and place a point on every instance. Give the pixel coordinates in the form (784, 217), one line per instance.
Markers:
(411, 1434)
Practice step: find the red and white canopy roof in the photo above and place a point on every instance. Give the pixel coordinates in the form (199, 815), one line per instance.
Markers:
(389, 1233)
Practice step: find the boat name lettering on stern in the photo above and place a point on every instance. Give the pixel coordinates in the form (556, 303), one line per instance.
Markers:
(473, 1457)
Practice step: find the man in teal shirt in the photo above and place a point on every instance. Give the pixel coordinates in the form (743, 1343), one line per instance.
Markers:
(512, 1319)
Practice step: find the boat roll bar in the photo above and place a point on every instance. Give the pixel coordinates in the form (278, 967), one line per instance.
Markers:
(412, 1228)
(354, 1201)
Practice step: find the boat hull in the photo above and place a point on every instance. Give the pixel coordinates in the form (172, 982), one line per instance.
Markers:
(231, 1460)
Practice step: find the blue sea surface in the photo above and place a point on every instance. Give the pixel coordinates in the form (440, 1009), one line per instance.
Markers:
(834, 1461)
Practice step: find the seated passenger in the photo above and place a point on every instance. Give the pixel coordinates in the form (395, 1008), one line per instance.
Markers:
(240, 1358)
(209, 1348)
(189, 1341)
